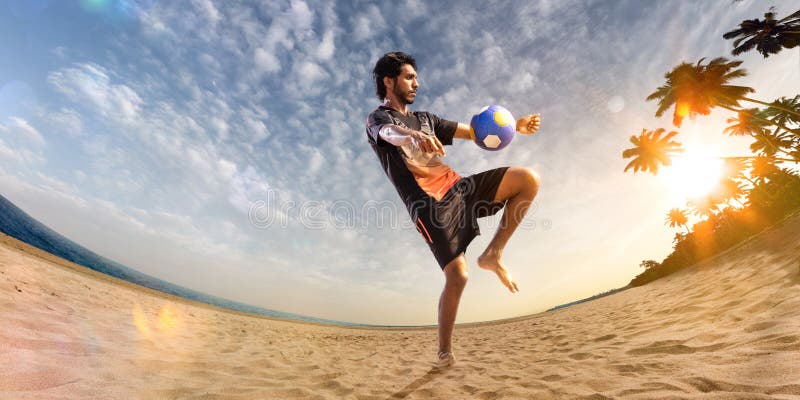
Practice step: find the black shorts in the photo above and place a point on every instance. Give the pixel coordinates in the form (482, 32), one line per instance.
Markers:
(449, 225)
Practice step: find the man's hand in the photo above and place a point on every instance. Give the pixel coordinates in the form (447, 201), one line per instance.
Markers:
(428, 143)
(528, 124)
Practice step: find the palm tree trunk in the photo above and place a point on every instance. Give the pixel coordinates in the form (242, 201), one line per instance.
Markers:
(752, 157)
(766, 121)
(789, 110)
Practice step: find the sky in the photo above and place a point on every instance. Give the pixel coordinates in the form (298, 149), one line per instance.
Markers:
(222, 147)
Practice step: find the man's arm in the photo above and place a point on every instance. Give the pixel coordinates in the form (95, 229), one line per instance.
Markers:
(526, 125)
(382, 131)
(398, 136)
(462, 132)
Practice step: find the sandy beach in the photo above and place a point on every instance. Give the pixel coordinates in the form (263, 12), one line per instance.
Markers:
(726, 328)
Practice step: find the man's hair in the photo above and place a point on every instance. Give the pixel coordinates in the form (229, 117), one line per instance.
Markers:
(389, 66)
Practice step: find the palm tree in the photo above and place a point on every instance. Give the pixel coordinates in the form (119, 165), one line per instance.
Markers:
(777, 114)
(651, 150)
(768, 36)
(770, 143)
(730, 190)
(796, 153)
(679, 237)
(762, 167)
(734, 167)
(688, 87)
(648, 264)
(696, 89)
(706, 206)
(677, 217)
(748, 121)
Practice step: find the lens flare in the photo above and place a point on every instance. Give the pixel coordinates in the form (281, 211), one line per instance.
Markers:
(693, 174)
(682, 109)
(166, 323)
(167, 320)
(140, 321)
(94, 5)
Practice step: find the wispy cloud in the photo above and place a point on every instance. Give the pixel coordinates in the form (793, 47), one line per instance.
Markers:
(90, 83)
(24, 129)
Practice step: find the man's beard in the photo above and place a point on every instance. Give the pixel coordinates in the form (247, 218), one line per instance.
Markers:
(405, 97)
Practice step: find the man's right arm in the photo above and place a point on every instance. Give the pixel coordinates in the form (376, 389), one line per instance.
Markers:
(381, 127)
(397, 135)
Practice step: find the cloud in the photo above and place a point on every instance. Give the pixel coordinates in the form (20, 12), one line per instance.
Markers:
(326, 46)
(21, 143)
(308, 74)
(315, 163)
(247, 187)
(19, 155)
(210, 12)
(266, 61)
(65, 120)
(299, 16)
(368, 23)
(90, 83)
(25, 130)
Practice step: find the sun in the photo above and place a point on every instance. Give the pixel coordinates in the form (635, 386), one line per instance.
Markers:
(693, 174)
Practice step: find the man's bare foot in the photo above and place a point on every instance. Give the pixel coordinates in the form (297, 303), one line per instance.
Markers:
(491, 261)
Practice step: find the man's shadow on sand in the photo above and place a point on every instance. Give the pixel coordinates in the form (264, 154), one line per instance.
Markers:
(411, 387)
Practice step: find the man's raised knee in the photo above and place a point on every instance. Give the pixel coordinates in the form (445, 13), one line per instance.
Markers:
(531, 177)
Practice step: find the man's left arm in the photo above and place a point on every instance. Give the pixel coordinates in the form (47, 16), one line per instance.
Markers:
(526, 125)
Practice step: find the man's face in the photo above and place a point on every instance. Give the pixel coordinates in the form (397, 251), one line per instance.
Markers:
(405, 86)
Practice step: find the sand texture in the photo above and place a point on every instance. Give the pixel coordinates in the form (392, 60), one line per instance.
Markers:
(728, 328)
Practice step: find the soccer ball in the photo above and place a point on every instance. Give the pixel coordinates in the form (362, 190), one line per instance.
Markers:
(492, 128)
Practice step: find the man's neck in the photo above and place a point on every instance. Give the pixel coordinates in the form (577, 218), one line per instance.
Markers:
(396, 105)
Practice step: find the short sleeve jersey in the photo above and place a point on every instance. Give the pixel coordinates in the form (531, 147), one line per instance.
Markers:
(414, 173)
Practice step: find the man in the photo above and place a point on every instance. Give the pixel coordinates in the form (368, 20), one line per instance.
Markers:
(443, 205)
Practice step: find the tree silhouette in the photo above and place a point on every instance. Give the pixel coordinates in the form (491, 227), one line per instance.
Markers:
(767, 36)
(770, 143)
(647, 264)
(750, 121)
(651, 150)
(706, 206)
(676, 218)
(778, 114)
(761, 167)
(696, 88)
(730, 190)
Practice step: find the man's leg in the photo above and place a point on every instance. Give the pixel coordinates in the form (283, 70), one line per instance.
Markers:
(519, 186)
(455, 273)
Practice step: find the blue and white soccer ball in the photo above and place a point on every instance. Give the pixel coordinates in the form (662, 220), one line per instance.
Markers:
(492, 128)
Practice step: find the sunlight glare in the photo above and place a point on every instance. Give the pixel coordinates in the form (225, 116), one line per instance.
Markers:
(693, 174)
(682, 109)
(140, 321)
(168, 320)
